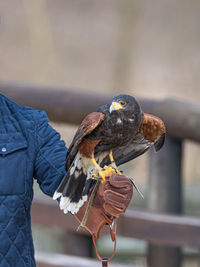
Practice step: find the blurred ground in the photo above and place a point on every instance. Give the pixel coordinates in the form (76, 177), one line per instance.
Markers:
(145, 48)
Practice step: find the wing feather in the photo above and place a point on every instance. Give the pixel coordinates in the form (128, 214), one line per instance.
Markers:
(151, 133)
(128, 152)
(90, 122)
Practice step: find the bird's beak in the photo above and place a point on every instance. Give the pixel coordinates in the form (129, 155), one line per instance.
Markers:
(115, 106)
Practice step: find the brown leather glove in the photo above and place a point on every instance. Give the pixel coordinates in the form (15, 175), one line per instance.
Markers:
(111, 200)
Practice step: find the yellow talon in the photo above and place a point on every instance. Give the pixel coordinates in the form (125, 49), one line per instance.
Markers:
(118, 172)
(106, 173)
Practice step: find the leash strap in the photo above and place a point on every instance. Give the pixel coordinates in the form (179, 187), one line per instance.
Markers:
(113, 237)
(104, 262)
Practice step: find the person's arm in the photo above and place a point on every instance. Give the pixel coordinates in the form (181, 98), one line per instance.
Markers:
(50, 156)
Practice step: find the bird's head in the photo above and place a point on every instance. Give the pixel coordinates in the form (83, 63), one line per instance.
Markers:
(123, 102)
(126, 104)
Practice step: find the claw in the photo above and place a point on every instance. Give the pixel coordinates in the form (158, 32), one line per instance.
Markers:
(94, 174)
(106, 173)
(113, 166)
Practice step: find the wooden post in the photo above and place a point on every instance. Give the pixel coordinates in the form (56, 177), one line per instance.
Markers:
(165, 196)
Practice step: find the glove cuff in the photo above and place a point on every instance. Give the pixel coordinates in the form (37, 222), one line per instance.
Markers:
(95, 221)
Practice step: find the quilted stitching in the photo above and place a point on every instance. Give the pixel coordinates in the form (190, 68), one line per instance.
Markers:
(13, 243)
(15, 234)
(43, 157)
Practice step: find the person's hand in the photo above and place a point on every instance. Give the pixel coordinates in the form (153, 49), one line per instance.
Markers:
(111, 200)
(114, 195)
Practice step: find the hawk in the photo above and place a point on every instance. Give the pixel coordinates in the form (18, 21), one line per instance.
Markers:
(116, 133)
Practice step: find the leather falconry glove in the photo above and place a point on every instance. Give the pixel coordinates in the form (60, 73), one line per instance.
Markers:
(112, 198)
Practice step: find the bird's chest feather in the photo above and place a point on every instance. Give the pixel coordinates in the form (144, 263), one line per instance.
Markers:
(115, 131)
(119, 127)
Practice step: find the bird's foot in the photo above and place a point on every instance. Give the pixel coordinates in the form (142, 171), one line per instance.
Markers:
(113, 165)
(106, 172)
(95, 174)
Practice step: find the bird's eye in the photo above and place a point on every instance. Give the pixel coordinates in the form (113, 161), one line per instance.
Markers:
(122, 103)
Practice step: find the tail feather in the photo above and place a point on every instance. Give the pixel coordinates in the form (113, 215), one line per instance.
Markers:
(88, 185)
(78, 192)
(72, 185)
(74, 188)
(62, 184)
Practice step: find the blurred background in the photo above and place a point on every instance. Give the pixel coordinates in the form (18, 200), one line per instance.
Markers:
(147, 49)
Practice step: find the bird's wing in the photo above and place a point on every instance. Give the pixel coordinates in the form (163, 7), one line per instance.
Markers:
(153, 129)
(151, 133)
(90, 122)
(130, 152)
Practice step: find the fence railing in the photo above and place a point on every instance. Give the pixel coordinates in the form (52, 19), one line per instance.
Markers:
(165, 168)
(60, 260)
(153, 227)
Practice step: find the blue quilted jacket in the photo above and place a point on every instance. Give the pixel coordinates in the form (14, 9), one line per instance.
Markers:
(29, 147)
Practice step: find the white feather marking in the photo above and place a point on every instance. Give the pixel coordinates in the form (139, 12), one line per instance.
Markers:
(77, 160)
(79, 165)
(76, 210)
(64, 202)
(65, 211)
(84, 198)
(56, 195)
(72, 169)
(86, 163)
(89, 170)
(74, 207)
(131, 120)
(81, 202)
(76, 164)
(119, 121)
(76, 174)
(71, 207)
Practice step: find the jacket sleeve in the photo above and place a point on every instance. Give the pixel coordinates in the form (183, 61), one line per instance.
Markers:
(50, 156)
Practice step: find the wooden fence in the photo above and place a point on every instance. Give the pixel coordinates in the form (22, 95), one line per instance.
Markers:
(157, 228)
(59, 260)
(165, 232)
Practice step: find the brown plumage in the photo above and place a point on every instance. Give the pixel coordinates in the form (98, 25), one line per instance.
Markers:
(120, 130)
(90, 122)
(152, 127)
(87, 147)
